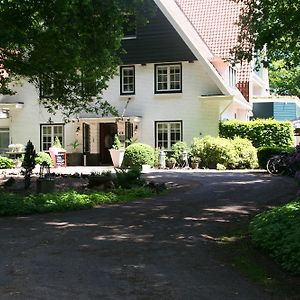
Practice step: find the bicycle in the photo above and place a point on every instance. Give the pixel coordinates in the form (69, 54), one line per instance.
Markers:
(278, 164)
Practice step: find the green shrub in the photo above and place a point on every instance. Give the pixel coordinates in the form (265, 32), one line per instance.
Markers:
(6, 163)
(246, 153)
(139, 154)
(129, 178)
(265, 153)
(278, 232)
(213, 151)
(16, 204)
(43, 157)
(177, 150)
(262, 133)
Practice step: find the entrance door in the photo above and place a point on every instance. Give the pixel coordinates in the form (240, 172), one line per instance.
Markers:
(107, 133)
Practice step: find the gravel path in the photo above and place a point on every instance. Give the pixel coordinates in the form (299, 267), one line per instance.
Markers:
(159, 248)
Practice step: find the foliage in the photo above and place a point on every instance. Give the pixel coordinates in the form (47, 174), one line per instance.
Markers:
(43, 157)
(262, 133)
(6, 163)
(284, 81)
(117, 145)
(177, 150)
(128, 178)
(278, 232)
(75, 144)
(227, 153)
(214, 150)
(57, 143)
(139, 154)
(246, 153)
(265, 153)
(272, 25)
(220, 167)
(14, 204)
(28, 164)
(171, 161)
(70, 49)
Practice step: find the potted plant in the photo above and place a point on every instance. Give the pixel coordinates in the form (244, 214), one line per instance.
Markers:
(171, 162)
(195, 162)
(117, 152)
(75, 158)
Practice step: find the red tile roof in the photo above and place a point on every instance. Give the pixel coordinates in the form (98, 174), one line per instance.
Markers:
(216, 23)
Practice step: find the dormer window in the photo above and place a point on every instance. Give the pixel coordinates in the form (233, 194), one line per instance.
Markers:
(232, 77)
(129, 27)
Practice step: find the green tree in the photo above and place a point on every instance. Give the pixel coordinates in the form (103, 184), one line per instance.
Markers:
(271, 27)
(28, 164)
(71, 47)
(284, 81)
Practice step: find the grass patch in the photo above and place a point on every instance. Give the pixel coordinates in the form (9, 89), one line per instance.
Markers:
(277, 231)
(13, 204)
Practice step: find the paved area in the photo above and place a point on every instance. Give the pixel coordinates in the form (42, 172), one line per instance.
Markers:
(159, 248)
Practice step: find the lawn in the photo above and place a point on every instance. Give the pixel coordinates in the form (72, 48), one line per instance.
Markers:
(14, 204)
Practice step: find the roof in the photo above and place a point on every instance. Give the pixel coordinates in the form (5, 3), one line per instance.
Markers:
(216, 24)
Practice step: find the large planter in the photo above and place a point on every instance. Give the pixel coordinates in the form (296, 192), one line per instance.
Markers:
(117, 157)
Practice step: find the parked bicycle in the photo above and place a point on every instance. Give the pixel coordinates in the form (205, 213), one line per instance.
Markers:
(279, 164)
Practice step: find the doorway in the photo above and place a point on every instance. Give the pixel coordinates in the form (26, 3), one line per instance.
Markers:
(107, 133)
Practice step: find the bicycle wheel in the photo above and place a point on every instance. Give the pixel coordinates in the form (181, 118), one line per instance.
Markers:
(275, 166)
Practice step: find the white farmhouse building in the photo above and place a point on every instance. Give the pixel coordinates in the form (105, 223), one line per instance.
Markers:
(175, 84)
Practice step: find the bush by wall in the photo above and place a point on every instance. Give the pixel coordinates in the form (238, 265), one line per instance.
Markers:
(278, 232)
(265, 153)
(177, 150)
(43, 157)
(138, 154)
(246, 153)
(262, 133)
(6, 163)
(230, 153)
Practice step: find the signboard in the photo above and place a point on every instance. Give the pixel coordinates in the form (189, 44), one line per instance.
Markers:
(58, 157)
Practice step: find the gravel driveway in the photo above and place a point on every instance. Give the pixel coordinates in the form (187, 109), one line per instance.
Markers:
(159, 248)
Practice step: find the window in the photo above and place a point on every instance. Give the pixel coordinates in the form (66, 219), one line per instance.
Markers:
(129, 27)
(168, 78)
(167, 133)
(127, 80)
(232, 77)
(48, 134)
(4, 139)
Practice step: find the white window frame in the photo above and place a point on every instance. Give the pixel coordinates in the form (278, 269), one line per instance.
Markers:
(232, 77)
(52, 135)
(169, 89)
(122, 71)
(168, 125)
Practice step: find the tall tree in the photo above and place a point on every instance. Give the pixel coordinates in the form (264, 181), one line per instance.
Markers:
(72, 47)
(270, 31)
(284, 81)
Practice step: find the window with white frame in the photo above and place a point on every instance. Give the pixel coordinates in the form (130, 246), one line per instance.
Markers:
(168, 78)
(127, 80)
(232, 77)
(4, 139)
(48, 134)
(167, 133)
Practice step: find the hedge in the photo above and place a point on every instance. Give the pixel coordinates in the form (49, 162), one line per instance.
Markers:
(262, 133)
(265, 153)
